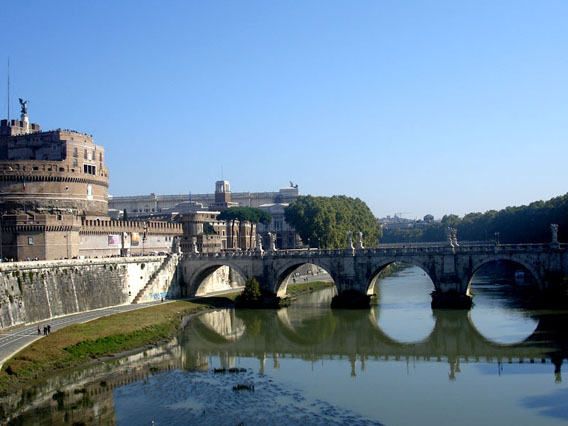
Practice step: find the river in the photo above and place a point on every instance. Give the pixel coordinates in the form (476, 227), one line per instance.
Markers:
(398, 363)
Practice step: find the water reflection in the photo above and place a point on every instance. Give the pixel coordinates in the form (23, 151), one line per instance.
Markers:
(312, 365)
(223, 324)
(403, 306)
(500, 312)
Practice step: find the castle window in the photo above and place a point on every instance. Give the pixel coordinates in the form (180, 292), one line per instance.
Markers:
(85, 155)
(35, 168)
(87, 168)
(100, 156)
(75, 153)
(61, 169)
(31, 241)
(75, 162)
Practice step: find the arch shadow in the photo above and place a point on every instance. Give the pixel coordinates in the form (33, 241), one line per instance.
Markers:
(377, 269)
(199, 277)
(525, 266)
(285, 273)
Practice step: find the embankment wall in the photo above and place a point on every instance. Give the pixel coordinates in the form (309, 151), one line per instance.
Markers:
(38, 291)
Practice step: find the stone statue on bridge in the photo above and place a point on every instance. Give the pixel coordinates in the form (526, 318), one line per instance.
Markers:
(452, 236)
(272, 241)
(360, 242)
(554, 230)
(176, 248)
(194, 245)
(259, 243)
(350, 240)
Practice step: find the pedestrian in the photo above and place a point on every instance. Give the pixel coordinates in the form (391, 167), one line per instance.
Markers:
(48, 329)
(38, 330)
(45, 331)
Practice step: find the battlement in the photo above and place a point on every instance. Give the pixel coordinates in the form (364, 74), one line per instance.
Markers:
(17, 127)
(150, 227)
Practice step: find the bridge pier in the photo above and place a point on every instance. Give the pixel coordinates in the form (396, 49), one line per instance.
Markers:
(451, 300)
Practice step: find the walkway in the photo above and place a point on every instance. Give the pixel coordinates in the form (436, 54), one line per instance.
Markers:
(17, 338)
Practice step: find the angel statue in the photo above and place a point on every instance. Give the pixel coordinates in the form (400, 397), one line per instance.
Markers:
(24, 105)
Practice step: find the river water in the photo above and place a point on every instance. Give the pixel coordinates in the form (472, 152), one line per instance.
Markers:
(398, 363)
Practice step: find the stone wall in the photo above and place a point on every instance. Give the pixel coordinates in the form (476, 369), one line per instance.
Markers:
(37, 291)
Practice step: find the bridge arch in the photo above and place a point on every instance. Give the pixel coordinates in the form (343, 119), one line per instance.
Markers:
(284, 270)
(378, 267)
(478, 263)
(198, 275)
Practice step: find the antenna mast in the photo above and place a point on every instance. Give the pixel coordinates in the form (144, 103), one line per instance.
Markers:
(8, 91)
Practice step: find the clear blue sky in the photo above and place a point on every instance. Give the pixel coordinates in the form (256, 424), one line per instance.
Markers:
(413, 106)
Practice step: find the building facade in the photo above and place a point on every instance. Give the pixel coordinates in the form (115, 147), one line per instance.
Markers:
(147, 205)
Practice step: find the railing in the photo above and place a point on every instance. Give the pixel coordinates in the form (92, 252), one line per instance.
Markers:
(390, 250)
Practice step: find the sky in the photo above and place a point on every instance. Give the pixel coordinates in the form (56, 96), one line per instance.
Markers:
(416, 107)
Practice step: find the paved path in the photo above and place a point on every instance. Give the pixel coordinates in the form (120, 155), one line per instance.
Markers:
(14, 340)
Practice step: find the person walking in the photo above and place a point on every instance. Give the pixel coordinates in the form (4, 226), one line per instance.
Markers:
(48, 328)
(38, 330)
(45, 331)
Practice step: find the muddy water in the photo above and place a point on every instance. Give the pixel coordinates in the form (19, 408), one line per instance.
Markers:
(399, 363)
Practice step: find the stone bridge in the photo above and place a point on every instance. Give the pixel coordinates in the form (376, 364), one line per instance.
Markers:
(450, 266)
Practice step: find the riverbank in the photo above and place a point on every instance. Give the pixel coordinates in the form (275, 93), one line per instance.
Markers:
(80, 344)
(295, 289)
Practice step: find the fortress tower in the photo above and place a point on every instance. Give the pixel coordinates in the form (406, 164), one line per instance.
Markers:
(50, 181)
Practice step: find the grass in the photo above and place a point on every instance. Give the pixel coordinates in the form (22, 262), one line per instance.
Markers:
(293, 289)
(81, 343)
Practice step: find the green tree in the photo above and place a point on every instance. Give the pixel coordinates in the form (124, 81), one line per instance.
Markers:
(325, 221)
(251, 293)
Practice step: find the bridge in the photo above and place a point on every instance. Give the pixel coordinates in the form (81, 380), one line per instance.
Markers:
(449, 265)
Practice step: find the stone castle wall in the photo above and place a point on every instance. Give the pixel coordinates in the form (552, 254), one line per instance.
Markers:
(38, 291)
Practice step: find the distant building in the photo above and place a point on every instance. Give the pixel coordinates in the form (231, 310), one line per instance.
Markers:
(286, 235)
(156, 205)
(193, 211)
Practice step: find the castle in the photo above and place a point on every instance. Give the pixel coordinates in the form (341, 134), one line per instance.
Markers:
(54, 199)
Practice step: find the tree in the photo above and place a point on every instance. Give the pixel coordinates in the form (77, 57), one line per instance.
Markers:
(325, 221)
(208, 229)
(251, 293)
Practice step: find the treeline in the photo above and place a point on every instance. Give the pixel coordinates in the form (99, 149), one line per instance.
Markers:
(524, 224)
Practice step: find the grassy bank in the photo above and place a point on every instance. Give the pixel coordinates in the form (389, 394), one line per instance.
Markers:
(113, 334)
(293, 289)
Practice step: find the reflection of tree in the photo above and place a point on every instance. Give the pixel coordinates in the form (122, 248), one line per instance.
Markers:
(253, 320)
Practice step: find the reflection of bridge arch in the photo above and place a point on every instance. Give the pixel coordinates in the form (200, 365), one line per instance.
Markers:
(221, 326)
(296, 336)
(284, 270)
(357, 333)
(195, 278)
(479, 263)
(379, 266)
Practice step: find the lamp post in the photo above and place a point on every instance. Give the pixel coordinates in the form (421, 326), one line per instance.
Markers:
(497, 238)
